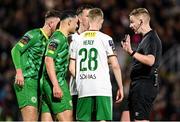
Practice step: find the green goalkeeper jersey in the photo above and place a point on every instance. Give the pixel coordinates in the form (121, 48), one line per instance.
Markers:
(28, 53)
(58, 49)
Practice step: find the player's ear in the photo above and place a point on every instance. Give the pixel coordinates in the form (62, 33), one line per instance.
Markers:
(79, 19)
(50, 24)
(141, 21)
(102, 20)
(57, 26)
(69, 21)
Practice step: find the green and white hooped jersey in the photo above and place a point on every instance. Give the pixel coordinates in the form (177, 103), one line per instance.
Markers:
(91, 53)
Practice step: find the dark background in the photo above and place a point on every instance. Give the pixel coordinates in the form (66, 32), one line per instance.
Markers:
(19, 16)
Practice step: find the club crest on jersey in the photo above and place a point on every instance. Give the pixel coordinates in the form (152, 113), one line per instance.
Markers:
(90, 35)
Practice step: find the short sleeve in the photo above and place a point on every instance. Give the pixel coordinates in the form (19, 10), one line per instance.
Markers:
(26, 41)
(151, 47)
(110, 47)
(52, 48)
(73, 49)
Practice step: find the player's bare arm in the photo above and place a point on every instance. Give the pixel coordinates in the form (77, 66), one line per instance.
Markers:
(19, 79)
(117, 72)
(57, 92)
(72, 67)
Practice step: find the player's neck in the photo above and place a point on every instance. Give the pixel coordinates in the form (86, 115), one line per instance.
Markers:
(64, 30)
(146, 29)
(81, 29)
(47, 30)
(94, 28)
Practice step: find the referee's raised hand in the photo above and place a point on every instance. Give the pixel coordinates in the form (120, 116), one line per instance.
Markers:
(126, 44)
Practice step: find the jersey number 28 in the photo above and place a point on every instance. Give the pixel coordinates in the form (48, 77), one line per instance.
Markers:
(90, 56)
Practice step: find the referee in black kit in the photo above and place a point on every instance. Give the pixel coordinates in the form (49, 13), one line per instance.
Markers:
(146, 60)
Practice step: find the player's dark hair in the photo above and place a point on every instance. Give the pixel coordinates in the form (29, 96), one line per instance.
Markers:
(67, 14)
(83, 7)
(52, 13)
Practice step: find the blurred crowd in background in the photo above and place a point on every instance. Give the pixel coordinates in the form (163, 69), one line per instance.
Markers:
(19, 16)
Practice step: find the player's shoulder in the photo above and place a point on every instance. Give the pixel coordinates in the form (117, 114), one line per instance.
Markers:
(95, 34)
(58, 34)
(75, 36)
(58, 37)
(32, 33)
(105, 36)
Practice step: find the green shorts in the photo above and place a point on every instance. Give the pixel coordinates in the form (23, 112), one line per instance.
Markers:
(54, 105)
(27, 95)
(96, 107)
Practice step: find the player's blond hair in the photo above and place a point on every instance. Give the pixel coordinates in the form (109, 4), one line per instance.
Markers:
(140, 11)
(95, 13)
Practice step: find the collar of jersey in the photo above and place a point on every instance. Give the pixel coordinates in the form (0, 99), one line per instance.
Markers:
(61, 32)
(44, 33)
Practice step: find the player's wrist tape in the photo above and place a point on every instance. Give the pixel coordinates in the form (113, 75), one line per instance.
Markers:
(132, 53)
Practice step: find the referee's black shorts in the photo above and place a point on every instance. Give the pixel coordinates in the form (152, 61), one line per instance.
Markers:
(140, 100)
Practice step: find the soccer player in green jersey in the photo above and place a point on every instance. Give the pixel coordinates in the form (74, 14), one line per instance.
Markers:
(57, 96)
(27, 57)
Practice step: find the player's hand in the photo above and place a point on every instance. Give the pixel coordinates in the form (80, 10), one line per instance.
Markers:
(19, 79)
(126, 45)
(57, 92)
(120, 95)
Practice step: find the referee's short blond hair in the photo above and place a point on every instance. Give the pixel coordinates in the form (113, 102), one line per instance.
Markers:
(140, 12)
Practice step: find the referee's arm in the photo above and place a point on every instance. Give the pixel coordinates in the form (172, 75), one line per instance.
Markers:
(148, 59)
(145, 59)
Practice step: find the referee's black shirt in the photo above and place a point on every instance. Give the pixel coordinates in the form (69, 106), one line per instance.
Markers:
(150, 44)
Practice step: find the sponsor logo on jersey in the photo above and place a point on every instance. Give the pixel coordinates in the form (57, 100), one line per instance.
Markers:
(87, 76)
(90, 35)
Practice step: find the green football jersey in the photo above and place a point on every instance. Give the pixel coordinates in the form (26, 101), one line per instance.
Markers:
(27, 54)
(58, 49)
